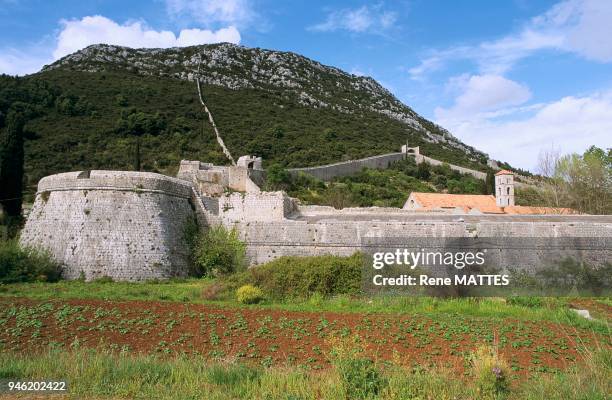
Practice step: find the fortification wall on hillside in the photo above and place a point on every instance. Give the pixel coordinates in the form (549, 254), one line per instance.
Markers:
(419, 158)
(346, 168)
(384, 161)
(124, 225)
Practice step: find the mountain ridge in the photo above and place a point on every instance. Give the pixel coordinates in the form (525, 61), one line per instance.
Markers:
(104, 107)
(227, 65)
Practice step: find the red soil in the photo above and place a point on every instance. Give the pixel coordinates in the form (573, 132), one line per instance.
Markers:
(275, 337)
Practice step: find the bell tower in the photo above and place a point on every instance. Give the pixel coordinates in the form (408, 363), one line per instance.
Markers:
(504, 188)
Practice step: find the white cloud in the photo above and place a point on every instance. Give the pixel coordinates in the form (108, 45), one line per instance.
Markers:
(237, 12)
(572, 124)
(587, 27)
(16, 62)
(480, 93)
(577, 26)
(77, 34)
(371, 19)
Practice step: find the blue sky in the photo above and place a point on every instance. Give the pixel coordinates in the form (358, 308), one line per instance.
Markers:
(512, 78)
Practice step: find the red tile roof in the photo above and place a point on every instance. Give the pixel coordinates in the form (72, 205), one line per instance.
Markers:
(505, 172)
(483, 203)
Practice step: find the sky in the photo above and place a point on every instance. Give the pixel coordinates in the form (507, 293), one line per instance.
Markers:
(513, 78)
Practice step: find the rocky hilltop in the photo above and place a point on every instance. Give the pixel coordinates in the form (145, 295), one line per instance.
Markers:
(115, 108)
(305, 81)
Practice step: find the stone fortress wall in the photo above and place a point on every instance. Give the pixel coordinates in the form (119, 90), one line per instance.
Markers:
(346, 168)
(307, 230)
(124, 225)
(383, 161)
(131, 225)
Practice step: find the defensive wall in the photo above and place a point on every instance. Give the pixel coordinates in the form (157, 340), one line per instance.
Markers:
(274, 225)
(346, 168)
(269, 240)
(124, 225)
(383, 161)
(131, 225)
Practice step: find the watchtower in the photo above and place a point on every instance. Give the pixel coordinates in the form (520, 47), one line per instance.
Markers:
(504, 188)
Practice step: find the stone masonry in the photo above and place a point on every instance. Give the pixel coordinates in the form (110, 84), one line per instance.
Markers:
(124, 225)
(131, 225)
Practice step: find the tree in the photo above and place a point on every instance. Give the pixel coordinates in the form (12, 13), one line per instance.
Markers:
(423, 171)
(587, 180)
(278, 178)
(582, 182)
(136, 124)
(489, 183)
(11, 163)
(137, 166)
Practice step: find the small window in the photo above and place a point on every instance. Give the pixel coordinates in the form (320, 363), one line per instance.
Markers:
(508, 190)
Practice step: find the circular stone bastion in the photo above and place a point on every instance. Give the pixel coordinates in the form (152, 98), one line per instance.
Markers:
(123, 225)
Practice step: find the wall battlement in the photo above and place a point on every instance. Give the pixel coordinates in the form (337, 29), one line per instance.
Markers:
(115, 180)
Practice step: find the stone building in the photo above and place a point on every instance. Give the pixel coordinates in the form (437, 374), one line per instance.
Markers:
(504, 188)
(501, 203)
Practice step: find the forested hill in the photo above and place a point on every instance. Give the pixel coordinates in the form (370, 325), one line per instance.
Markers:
(86, 110)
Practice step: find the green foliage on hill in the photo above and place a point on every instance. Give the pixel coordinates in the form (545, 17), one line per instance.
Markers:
(89, 120)
(371, 187)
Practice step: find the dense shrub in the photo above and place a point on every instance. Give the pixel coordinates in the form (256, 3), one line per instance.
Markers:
(525, 301)
(359, 375)
(19, 264)
(360, 378)
(301, 277)
(219, 251)
(491, 372)
(565, 277)
(249, 294)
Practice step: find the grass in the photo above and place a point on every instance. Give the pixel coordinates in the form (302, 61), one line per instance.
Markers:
(103, 374)
(190, 290)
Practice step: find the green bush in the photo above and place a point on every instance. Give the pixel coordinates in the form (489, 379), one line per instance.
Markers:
(18, 264)
(302, 277)
(525, 301)
(360, 378)
(359, 375)
(491, 372)
(249, 294)
(219, 251)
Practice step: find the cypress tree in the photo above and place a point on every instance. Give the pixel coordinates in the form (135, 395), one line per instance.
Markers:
(489, 183)
(137, 154)
(423, 171)
(11, 164)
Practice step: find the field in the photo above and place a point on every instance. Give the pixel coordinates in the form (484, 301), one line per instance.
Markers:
(163, 324)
